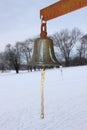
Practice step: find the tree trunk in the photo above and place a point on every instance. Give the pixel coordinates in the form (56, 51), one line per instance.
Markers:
(17, 71)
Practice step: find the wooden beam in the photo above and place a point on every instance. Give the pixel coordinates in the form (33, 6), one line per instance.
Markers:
(60, 8)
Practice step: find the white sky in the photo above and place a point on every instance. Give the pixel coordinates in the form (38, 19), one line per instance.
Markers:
(19, 20)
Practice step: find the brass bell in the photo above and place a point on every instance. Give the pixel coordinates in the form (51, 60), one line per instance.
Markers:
(43, 55)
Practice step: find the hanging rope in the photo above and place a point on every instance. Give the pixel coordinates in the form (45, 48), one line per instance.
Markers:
(42, 92)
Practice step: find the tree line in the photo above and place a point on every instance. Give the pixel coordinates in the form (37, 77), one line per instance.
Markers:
(70, 49)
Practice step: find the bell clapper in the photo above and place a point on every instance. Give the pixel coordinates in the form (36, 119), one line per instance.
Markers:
(42, 93)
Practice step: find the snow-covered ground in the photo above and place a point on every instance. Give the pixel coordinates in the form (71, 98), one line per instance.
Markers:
(65, 100)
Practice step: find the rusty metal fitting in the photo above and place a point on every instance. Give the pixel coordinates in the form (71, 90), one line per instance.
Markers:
(43, 28)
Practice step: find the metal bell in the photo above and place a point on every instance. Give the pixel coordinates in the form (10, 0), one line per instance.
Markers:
(43, 55)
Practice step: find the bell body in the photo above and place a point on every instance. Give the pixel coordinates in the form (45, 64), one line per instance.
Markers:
(43, 54)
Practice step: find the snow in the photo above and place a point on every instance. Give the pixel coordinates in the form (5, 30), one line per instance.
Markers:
(65, 100)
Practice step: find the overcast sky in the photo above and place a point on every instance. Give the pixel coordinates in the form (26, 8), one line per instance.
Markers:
(19, 20)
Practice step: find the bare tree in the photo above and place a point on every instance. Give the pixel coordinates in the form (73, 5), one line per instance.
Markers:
(65, 41)
(82, 50)
(13, 56)
(26, 51)
(2, 62)
(84, 42)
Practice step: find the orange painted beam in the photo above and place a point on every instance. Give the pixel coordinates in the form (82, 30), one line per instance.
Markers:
(60, 8)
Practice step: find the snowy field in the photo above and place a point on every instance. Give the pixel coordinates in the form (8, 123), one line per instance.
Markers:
(65, 100)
